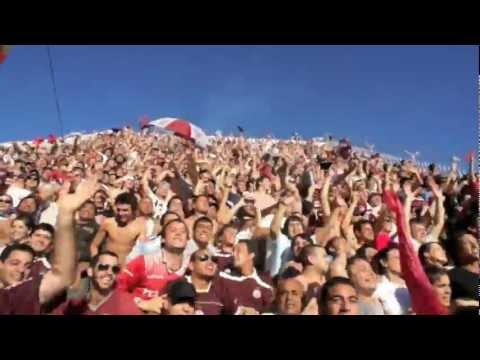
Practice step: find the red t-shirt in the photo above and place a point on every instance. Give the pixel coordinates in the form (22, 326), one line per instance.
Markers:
(119, 303)
(21, 299)
(147, 276)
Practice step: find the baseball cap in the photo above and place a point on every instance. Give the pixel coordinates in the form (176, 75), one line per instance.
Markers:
(182, 291)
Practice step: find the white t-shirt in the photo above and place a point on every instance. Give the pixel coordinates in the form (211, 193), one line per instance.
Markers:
(17, 194)
(395, 298)
(49, 215)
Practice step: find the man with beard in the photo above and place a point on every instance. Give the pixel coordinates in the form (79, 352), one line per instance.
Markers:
(103, 298)
(123, 231)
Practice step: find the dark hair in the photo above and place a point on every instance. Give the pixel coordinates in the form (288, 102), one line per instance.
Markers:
(328, 286)
(225, 227)
(289, 220)
(351, 261)
(203, 219)
(434, 273)
(251, 246)
(127, 199)
(306, 252)
(15, 247)
(382, 255)
(358, 225)
(303, 236)
(45, 227)
(27, 220)
(89, 202)
(164, 216)
(94, 260)
(362, 251)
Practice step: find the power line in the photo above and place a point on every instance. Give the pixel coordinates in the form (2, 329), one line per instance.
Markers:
(54, 85)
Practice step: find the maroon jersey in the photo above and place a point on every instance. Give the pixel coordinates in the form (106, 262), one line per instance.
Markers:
(209, 302)
(21, 299)
(118, 303)
(225, 260)
(40, 266)
(254, 291)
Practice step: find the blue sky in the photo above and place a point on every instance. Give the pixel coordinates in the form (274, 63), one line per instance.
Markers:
(417, 98)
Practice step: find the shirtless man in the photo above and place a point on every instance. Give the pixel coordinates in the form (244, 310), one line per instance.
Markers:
(122, 231)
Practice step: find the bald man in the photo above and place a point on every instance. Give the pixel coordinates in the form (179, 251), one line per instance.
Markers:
(290, 297)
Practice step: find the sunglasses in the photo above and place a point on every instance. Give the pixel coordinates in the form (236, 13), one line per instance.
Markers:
(206, 257)
(6, 200)
(104, 267)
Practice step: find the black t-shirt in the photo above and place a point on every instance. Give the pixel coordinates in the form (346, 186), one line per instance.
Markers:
(464, 284)
(84, 234)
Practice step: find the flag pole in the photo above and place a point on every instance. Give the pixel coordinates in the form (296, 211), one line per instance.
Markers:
(54, 85)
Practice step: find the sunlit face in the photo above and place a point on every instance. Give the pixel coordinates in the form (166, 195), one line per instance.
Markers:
(295, 228)
(16, 267)
(40, 241)
(419, 231)
(176, 235)
(18, 230)
(363, 276)
(443, 290)
(146, 206)
(290, 295)
(366, 232)
(105, 272)
(342, 299)
(201, 205)
(204, 265)
(203, 233)
(124, 213)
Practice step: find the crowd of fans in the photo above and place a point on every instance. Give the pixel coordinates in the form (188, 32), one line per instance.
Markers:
(131, 223)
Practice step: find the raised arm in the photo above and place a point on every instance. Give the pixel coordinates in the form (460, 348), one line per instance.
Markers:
(324, 195)
(424, 298)
(439, 221)
(63, 270)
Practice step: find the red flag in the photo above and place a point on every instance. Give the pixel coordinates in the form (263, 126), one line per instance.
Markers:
(37, 141)
(469, 157)
(52, 139)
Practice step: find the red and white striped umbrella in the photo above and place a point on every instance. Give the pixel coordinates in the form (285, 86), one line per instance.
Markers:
(182, 128)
